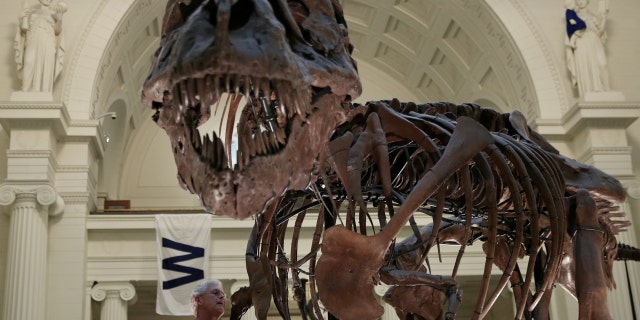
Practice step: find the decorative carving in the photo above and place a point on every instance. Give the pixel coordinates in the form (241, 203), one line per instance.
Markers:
(586, 58)
(39, 46)
(7, 195)
(125, 290)
(512, 59)
(632, 187)
(45, 195)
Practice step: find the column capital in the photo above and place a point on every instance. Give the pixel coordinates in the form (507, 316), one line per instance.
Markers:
(632, 187)
(124, 290)
(44, 194)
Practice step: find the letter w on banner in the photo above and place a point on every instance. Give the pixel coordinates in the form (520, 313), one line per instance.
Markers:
(183, 259)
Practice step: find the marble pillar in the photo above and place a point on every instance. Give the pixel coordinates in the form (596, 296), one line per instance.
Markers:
(115, 297)
(29, 208)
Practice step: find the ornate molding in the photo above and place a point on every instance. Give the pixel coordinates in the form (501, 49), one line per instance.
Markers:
(593, 151)
(124, 290)
(73, 65)
(34, 154)
(29, 153)
(508, 51)
(45, 195)
(35, 114)
(32, 105)
(75, 197)
(75, 169)
(586, 115)
(548, 57)
(53, 115)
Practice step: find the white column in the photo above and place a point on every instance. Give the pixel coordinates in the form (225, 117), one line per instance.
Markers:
(116, 298)
(25, 286)
(619, 300)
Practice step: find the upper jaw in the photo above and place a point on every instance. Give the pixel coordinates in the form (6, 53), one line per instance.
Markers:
(271, 157)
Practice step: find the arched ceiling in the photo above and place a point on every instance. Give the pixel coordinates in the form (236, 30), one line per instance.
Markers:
(455, 50)
(419, 50)
(429, 46)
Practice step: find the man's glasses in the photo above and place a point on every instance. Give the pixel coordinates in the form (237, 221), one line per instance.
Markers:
(216, 292)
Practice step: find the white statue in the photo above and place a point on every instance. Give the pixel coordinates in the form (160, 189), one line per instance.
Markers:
(39, 46)
(586, 58)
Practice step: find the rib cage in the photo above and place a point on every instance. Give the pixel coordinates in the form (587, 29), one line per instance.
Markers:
(514, 187)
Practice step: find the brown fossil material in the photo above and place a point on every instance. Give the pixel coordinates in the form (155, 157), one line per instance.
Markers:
(306, 153)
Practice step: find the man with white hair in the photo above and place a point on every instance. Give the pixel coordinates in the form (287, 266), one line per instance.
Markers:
(208, 299)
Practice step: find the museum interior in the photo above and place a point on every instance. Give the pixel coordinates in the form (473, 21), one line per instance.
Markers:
(85, 172)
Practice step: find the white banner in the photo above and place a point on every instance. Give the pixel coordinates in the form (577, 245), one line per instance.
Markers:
(183, 259)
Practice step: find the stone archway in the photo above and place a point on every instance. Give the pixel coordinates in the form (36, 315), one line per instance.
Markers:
(437, 50)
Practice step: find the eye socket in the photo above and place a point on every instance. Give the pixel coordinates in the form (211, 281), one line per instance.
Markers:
(299, 11)
(177, 14)
(241, 12)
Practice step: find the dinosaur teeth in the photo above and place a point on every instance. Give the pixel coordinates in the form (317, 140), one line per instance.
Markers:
(286, 102)
(255, 85)
(206, 145)
(252, 146)
(177, 93)
(184, 92)
(192, 90)
(247, 86)
(196, 141)
(193, 185)
(280, 136)
(259, 143)
(183, 184)
(266, 139)
(209, 152)
(266, 88)
(300, 105)
(273, 142)
(213, 152)
(262, 137)
(213, 82)
(240, 161)
(249, 148)
(245, 142)
(216, 155)
(216, 85)
(220, 156)
(203, 94)
(296, 105)
(241, 152)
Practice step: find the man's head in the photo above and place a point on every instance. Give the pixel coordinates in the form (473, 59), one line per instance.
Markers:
(208, 299)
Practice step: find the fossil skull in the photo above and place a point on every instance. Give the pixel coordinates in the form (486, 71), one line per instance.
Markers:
(289, 60)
